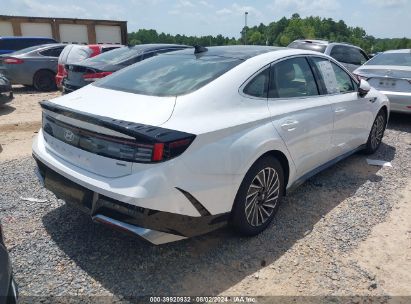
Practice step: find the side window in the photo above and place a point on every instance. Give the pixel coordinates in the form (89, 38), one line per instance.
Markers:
(335, 79)
(54, 52)
(258, 86)
(341, 53)
(344, 81)
(356, 57)
(292, 78)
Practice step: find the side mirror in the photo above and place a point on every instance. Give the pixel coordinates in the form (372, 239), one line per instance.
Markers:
(363, 88)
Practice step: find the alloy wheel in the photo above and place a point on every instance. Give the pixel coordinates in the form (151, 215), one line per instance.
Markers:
(377, 132)
(262, 197)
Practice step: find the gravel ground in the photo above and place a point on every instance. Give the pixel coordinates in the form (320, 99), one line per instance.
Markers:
(307, 250)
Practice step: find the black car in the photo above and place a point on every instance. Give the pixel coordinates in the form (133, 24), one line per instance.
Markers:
(6, 92)
(8, 288)
(92, 69)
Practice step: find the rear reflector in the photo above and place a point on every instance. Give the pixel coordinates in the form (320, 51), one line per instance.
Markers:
(95, 76)
(12, 60)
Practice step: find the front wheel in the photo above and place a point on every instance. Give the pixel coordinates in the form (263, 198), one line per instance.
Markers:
(376, 133)
(258, 197)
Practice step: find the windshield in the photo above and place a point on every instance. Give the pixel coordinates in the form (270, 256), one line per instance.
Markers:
(114, 57)
(401, 59)
(169, 75)
(308, 46)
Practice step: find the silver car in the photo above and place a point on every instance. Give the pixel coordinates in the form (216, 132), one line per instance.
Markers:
(350, 56)
(390, 73)
(34, 66)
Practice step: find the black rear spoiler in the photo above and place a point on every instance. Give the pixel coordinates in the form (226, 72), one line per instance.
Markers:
(141, 132)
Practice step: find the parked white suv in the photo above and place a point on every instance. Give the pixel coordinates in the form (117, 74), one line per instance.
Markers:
(349, 55)
(184, 142)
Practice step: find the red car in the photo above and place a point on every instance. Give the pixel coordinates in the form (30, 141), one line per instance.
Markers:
(74, 53)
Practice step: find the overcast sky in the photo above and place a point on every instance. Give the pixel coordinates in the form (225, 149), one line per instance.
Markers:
(380, 18)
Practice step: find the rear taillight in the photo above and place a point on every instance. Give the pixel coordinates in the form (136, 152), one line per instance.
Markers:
(12, 60)
(126, 149)
(61, 70)
(165, 151)
(95, 76)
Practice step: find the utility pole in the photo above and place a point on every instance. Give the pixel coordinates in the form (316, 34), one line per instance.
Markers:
(245, 27)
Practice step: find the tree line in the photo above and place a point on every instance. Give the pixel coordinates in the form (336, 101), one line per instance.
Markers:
(281, 33)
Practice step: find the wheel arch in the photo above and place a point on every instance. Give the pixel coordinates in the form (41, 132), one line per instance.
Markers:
(285, 164)
(41, 70)
(385, 110)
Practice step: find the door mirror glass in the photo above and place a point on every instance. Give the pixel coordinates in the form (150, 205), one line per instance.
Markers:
(363, 88)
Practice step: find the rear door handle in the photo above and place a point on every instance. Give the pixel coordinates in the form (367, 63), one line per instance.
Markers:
(372, 100)
(290, 125)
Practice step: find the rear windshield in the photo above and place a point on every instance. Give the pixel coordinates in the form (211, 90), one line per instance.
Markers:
(169, 75)
(402, 59)
(308, 46)
(114, 56)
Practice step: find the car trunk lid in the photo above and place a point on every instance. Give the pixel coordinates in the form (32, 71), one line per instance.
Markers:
(81, 126)
(394, 78)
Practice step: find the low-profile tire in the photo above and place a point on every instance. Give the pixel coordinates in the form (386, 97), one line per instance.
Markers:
(258, 197)
(44, 81)
(376, 133)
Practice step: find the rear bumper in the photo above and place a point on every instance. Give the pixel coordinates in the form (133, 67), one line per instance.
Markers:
(68, 87)
(154, 226)
(400, 101)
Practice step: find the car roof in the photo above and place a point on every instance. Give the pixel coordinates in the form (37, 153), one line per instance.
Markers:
(233, 51)
(402, 51)
(25, 37)
(105, 45)
(325, 42)
(36, 48)
(46, 45)
(317, 41)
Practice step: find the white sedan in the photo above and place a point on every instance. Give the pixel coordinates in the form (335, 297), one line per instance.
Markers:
(186, 142)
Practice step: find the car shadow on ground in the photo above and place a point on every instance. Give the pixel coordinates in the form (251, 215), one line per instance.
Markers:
(209, 264)
(23, 90)
(6, 109)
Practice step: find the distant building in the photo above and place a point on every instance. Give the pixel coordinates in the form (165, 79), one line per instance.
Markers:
(66, 30)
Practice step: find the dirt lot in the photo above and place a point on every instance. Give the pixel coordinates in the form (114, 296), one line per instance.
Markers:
(19, 122)
(345, 232)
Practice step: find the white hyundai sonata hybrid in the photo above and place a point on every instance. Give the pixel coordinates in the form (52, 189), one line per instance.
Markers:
(186, 142)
